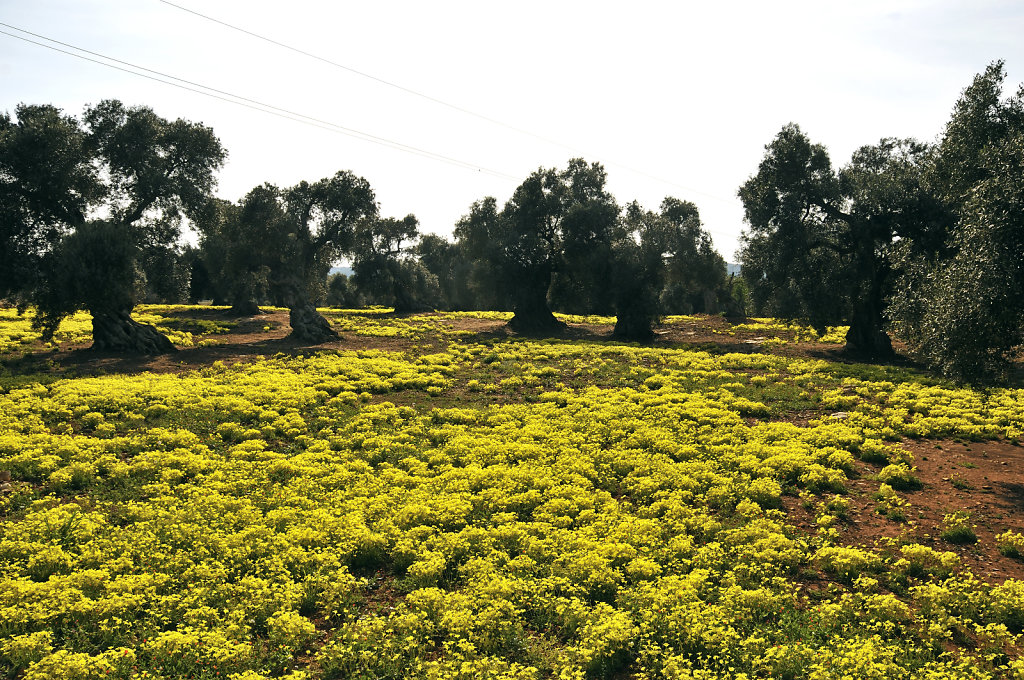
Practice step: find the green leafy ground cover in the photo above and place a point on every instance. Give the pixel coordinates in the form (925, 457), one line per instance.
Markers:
(465, 506)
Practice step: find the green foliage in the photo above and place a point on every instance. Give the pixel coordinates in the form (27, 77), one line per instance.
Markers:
(960, 298)
(971, 320)
(957, 528)
(237, 247)
(662, 263)
(946, 221)
(980, 121)
(342, 293)
(47, 184)
(790, 259)
(695, 274)
(457, 274)
(639, 271)
(146, 173)
(899, 476)
(555, 221)
(490, 277)
(384, 269)
(821, 242)
(165, 275)
(92, 268)
(280, 243)
(1011, 544)
(584, 280)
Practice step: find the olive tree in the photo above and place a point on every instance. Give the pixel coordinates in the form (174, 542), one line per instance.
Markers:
(549, 226)
(284, 241)
(48, 183)
(144, 174)
(695, 275)
(384, 264)
(820, 243)
(640, 249)
(959, 301)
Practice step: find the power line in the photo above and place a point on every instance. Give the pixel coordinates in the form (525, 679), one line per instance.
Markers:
(357, 72)
(280, 112)
(435, 100)
(239, 100)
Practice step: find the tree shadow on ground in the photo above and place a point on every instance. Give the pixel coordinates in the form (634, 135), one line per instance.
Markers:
(249, 340)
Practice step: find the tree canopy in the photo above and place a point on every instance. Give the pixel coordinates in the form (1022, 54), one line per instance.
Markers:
(556, 222)
(143, 173)
(283, 242)
(820, 241)
(640, 247)
(48, 183)
(958, 300)
(922, 240)
(93, 209)
(383, 261)
(695, 276)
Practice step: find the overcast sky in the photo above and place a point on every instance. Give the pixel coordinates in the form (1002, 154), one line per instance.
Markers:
(674, 98)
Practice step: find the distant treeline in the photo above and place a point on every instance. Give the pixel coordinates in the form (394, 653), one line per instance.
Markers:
(924, 240)
(560, 243)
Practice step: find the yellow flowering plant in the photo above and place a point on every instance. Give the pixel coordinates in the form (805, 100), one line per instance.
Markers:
(513, 508)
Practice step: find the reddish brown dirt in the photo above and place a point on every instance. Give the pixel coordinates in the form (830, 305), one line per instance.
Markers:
(712, 333)
(248, 340)
(989, 485)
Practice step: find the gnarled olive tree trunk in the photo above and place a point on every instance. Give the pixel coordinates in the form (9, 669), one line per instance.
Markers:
(246, 289)
(117, 331)
(308, 325)
(245, 307)
(636, 307)
(635, 327)
(866, 337)
(406, 301)
(531, 313)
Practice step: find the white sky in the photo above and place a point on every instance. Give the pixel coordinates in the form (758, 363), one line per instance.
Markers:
(686, 93)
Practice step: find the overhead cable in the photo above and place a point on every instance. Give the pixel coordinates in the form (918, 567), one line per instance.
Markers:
(435, 100)
(239, 100)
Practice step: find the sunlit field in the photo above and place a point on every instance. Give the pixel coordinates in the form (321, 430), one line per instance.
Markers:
(433, 497)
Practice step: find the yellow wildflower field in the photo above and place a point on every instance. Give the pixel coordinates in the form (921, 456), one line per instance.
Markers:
(462, 506)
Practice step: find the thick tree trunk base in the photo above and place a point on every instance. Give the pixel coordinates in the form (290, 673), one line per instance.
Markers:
(406, 303)
(119, 332)
(868, 343)
(412, 307)
(415, 309)
(535, 321)
(633, 329)
(309, 326)
(246, 308)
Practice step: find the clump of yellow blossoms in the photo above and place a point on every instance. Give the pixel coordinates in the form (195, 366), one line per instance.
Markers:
(516, 509)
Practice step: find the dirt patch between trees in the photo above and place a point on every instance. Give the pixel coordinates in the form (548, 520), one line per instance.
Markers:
(249, 339)
(985, 479)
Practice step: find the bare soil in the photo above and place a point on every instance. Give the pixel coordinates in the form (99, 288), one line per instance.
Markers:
(983, 478)
(248, 340)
